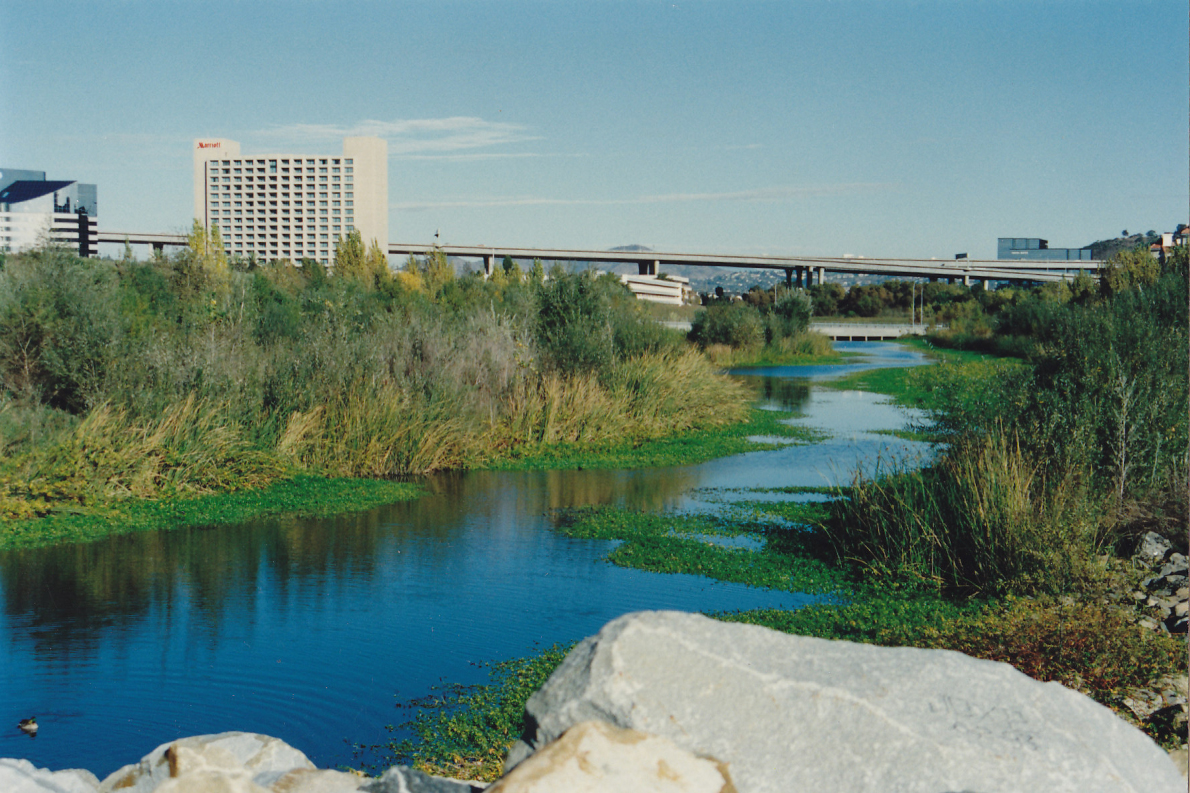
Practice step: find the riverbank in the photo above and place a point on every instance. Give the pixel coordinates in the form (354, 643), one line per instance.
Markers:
(305, 495)
(1104, 629)
(1088, 644)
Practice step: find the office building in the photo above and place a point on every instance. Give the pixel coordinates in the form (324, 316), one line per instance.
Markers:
(1035, 249)
(292, 206)
(34, 209)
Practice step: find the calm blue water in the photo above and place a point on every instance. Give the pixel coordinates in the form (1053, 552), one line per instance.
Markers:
(312, 630)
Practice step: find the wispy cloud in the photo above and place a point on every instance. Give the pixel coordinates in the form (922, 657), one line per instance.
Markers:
(779, 193)
(410, 136)
(491, 155)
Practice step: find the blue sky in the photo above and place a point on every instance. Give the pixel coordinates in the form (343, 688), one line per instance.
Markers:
(894, 128)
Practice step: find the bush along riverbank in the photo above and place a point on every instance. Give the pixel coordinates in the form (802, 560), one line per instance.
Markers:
(1050, 533)
(125, 383)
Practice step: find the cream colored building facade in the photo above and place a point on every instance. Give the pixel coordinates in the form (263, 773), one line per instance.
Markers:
(292, 206)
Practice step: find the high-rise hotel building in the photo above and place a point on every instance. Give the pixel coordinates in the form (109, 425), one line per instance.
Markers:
(292, 206)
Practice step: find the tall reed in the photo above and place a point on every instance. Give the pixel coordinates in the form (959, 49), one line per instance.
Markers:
(982, 518)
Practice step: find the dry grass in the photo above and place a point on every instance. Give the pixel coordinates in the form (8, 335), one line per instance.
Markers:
(192, 447)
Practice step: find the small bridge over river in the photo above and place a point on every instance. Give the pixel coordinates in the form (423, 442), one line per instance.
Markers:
(799, 270)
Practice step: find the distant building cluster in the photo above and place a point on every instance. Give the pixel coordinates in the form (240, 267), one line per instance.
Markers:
(1036, 249)
(35, 210)
(292, 206)
(1169, 241)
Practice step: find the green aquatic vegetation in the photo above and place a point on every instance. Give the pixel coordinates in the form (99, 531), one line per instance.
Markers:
(791, 558)
(806, 513)
(465, 731)
(688, 448)
(735, 565)
(789, 489)
(300, 495)
(919, 436)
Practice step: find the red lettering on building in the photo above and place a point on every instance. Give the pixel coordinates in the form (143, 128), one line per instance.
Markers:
(208, 145)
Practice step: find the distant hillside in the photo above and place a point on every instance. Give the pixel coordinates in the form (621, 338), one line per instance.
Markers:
(1105, 249)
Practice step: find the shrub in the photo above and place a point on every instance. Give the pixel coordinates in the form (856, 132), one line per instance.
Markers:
(59, 324)
(736, 324)
(574, 322)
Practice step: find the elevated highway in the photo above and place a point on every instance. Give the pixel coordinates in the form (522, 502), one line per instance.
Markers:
(799, 270)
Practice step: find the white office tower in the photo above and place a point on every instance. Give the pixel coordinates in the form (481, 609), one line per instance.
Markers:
(34, 211)
(292, 206)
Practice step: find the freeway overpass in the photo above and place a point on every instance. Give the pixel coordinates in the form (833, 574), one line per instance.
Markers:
(799, 270)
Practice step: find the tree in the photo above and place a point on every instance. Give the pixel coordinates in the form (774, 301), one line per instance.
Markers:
(378, 264)
(351, 259)
(207, 248)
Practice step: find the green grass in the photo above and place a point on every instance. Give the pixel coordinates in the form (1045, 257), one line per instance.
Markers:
(301, 495)
(687, 448)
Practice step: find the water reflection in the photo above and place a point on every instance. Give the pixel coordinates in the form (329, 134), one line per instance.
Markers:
(304, 628)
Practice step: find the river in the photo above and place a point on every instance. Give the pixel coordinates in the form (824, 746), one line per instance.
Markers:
(313, 630)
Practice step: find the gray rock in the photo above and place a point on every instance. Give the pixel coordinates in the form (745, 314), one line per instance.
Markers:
(1171, 569)
(1152, 548)
(21, 776)
(403, 779)
(791, 713)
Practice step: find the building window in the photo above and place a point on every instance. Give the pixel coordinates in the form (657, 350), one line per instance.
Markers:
(348, 169)
(349, 203)
(335, 170)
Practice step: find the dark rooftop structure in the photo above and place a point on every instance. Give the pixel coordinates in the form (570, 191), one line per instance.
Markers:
(1037, 249)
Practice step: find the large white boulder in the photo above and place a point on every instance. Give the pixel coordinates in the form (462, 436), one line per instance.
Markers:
(21, 776)
(595, 757)
(238, 757)
(790, 713)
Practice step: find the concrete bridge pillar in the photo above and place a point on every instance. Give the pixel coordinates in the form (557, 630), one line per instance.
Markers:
(821, 275)
(489, 264)
(789, 278)
(966, 280)
(950, 280)
(648, 268)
